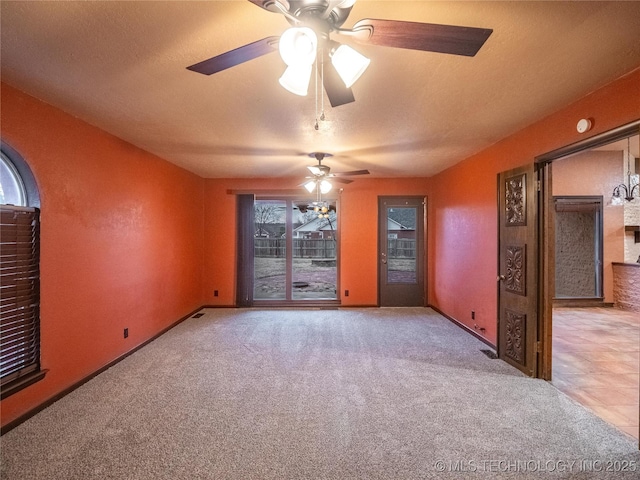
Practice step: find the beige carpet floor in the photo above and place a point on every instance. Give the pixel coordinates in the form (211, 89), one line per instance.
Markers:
(391, 393)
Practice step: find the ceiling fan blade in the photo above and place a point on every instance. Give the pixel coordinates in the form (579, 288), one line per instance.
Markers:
(337, 92)
(236, 57)
(340, 180)
(428, 37)
(348, 174)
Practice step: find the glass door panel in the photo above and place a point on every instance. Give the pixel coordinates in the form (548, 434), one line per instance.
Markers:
(270, 250)
(314, 274)
(401, 245)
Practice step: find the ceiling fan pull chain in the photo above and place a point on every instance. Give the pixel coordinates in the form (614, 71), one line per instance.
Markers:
(321, 95)
(316, 93)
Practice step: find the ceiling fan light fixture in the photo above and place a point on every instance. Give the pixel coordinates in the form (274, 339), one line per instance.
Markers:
(349, 64)
(325, 186)
(310, 185)
(298, 46)
(296, 79)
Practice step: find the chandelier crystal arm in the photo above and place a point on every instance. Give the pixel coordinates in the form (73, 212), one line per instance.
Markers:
(629, 189)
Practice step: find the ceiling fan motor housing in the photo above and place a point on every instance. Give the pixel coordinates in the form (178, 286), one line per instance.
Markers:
(309, 10)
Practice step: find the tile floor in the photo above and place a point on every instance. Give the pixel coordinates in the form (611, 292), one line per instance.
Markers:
(596, 361)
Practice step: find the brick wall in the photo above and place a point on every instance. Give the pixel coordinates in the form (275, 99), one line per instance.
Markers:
(626, 282)
(631, 217)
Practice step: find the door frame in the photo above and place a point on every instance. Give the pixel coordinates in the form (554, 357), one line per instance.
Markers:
(546, 237)
(245, 273)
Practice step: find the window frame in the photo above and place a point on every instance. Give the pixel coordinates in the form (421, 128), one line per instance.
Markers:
(23, 268)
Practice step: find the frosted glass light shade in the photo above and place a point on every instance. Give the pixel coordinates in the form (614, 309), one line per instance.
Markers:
(325, 186)
(298, 46)
(349, 64)
(310, 185)
(314, 170)
(296, 79)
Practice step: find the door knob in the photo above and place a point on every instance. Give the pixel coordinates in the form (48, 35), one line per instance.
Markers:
(501, 278)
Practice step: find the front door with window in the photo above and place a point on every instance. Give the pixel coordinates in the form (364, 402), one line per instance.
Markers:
(401, 251)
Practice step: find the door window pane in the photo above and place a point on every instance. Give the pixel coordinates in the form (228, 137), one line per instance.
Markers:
(401, 245)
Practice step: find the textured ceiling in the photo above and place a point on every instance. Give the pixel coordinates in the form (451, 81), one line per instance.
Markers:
(121, 66)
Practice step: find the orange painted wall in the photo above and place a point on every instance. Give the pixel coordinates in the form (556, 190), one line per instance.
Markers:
(463, 220)
(131, 240)
(121, 243)
(358, 233)
(596, 173)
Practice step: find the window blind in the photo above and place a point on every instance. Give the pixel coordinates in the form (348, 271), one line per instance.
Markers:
(19, 293)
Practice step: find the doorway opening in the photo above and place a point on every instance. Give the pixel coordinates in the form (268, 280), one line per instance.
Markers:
(591, 345)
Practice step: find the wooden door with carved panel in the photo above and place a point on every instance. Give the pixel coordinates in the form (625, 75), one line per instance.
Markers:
(517, 276)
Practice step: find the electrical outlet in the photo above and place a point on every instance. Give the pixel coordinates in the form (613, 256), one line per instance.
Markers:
(215, 293)
(346, 293)
(473, 315)
(126, 332)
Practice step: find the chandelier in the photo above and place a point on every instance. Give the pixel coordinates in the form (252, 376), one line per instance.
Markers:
(628, 189)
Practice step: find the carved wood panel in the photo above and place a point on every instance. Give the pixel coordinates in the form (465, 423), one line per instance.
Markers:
(516, 201)
(515, 341)
(516, 264)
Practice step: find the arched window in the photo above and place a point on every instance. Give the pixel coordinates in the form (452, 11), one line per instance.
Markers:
(12, 191)
(19, 275)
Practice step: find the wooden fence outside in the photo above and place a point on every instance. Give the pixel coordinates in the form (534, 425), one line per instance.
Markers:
(401, 248)
(323, 248)
(302, 247)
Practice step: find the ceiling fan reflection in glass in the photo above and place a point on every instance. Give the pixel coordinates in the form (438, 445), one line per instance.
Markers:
(324, 186)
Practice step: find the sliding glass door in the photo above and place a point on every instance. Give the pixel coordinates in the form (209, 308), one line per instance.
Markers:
(295, 252)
